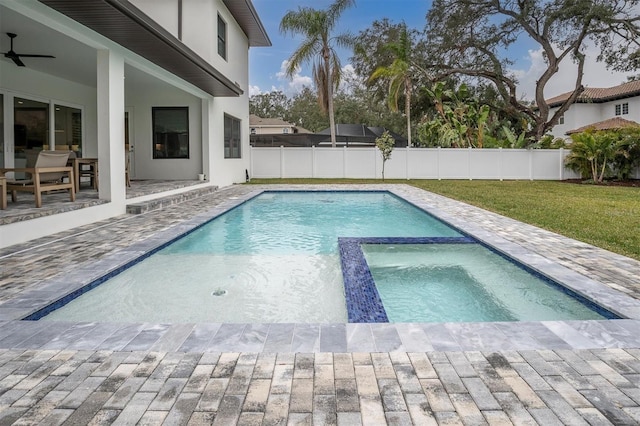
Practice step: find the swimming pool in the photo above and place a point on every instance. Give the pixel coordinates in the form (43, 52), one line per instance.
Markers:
(274, 258)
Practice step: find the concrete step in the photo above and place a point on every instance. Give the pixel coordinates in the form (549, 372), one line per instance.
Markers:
(161, 202)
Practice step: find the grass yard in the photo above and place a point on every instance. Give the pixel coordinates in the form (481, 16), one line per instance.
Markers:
(605, 216)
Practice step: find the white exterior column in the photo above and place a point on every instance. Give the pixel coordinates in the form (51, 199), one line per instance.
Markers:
(110, 127)
(207, 138)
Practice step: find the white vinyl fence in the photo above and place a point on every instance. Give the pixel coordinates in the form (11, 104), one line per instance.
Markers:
(410, 163)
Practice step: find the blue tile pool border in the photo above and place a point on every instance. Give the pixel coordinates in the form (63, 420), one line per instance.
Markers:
(90, 276)
(193, 225)
(361, 295)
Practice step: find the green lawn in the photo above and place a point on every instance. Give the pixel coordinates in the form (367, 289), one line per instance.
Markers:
(605, 216)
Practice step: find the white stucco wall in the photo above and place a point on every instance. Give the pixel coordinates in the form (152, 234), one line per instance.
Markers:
(199, 33)
(31, 84)
(164, 12)
(140, 104)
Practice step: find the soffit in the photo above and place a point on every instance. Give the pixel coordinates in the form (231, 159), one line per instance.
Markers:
(247, 17)
(131, 28)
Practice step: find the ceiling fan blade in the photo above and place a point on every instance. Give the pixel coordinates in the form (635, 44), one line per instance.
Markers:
(17, 61)
(22, 55)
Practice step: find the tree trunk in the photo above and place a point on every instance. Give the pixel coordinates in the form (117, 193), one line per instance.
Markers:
(407, 111)
(332, 120)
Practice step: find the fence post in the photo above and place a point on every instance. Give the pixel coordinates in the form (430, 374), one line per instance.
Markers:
(313, 161)
(344, 161)
(438, 163)
(501, 160)
(561, 163)
(281, 161)
(469, 163)
(407, 162)
(530, 163)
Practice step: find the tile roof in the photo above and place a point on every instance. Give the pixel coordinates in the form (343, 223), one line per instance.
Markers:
(610, 124)
(598, 95)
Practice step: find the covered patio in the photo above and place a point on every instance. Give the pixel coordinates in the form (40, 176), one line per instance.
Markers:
(131, 97)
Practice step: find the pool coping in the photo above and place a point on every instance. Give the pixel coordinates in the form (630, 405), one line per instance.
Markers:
(449, 336)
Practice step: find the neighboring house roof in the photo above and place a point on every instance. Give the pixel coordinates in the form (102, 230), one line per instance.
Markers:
(599, 95)
(610, 124)
(254, 120)
(131, 28)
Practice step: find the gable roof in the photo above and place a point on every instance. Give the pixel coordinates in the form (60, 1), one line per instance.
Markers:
(610, 124)
(125, 24)
(600, 95)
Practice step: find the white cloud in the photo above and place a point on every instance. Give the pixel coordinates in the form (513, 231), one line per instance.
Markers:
(296, 83)
(350, 80)
(595, 75)
(254, 90)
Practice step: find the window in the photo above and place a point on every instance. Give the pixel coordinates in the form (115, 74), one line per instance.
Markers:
(170, 132)
(285, 130)
(561, 119)
(222, 38)
(253, 131)
(231, 137)
(625, 108)
(618, 109)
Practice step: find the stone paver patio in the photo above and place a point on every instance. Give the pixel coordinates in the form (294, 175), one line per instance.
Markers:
(555, 372)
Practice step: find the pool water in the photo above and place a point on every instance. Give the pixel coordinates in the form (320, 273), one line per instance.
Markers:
(272, 259)
(477, 284)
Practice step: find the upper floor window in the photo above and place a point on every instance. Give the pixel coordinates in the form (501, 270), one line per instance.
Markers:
(561, 119)
(222, 38)
(231, 137)
(622, 109)
(170, 132)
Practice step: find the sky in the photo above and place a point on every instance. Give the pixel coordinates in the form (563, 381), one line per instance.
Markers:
(266, 64)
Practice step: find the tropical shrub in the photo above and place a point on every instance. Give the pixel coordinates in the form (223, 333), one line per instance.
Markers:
(627, 153)
(592, 154)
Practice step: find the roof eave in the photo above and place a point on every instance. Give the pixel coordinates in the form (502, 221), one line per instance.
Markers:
(126, 25)
(247, 17)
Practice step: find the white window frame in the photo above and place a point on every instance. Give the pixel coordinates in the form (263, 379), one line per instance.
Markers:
(224, 55)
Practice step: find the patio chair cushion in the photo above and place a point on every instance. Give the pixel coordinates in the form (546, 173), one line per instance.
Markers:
(47, 175)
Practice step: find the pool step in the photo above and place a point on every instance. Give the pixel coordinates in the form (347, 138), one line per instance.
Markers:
(161, 202)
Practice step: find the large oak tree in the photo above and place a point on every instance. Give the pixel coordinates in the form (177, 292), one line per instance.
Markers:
(472, 38)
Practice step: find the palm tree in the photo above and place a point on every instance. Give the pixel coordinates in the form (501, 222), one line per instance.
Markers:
(318, 48)
(398, 73)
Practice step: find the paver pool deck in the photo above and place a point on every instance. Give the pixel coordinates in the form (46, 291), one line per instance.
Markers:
(554, 372)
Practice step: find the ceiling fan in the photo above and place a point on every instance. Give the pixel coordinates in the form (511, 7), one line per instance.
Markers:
(15, 57)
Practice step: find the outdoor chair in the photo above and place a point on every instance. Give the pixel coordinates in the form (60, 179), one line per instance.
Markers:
(46, 175)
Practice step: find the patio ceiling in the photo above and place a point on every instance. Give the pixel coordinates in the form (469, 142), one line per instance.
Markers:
(126, 25)
(73, 61)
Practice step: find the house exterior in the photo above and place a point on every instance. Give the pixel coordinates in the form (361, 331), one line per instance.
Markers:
(598, 106)
(166, 80)
(273, 126)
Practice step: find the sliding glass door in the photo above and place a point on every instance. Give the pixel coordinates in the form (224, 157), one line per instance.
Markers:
(30, 129)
